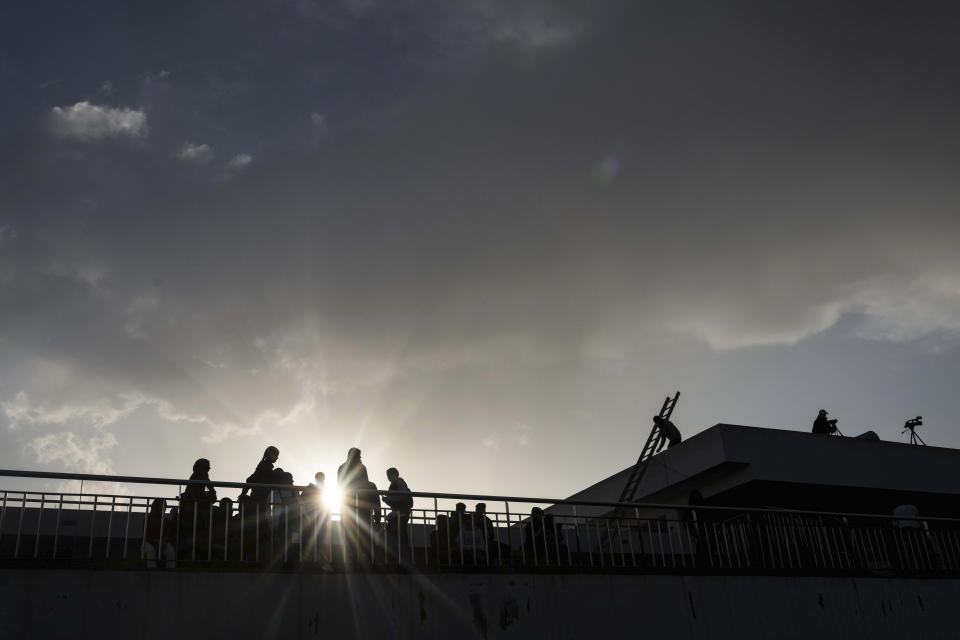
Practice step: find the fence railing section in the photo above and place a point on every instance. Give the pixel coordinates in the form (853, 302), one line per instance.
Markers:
(288, 530)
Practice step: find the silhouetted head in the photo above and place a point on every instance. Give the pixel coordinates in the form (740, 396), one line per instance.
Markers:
(226, 504)
(320, 478)
(157, 507)
(353, 455)
(286, 477)
(481, 507)
(392, 474)
(202, 465)
(461, 507)
(822, 413)
(536, 511)
(271, 453)
(442, 521)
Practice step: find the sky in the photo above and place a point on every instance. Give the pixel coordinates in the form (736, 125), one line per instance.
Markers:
(481, 241)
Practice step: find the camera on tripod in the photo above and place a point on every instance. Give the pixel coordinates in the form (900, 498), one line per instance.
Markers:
(912, 424)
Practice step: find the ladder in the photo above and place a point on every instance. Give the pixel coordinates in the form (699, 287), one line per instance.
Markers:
(654, 445)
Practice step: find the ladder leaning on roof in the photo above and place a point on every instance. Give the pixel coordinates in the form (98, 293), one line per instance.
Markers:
(655, 442)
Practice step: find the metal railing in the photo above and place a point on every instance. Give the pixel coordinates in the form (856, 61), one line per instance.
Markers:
(287, 531)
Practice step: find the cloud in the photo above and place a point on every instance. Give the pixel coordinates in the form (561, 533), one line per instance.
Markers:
(491, 441)
(195, 153)
(240, 161)
(534, 33)
(72, 452)
(21, 412)
(85, 121)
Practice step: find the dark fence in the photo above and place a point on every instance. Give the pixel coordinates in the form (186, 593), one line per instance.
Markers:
(290, 531)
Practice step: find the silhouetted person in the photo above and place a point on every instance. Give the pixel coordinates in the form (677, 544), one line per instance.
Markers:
(197, 491)
(471, 536)
(254, 508)
(368, 517)
(458, 520)
(556, 541)
(441, 542)
(196, 503)
(286, 509)
(314, 516)
(225, 531)
(399, 516)
(484, 523)
(824, 426)
(313, 493)
(534, 540)
(264, 474)
(351, 478)
(669, 430)
(699, 523)
(157, 541)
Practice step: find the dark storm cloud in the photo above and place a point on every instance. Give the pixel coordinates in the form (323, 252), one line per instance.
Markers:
(503, 201)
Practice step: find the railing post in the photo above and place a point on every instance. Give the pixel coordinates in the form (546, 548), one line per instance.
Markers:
(506, 511)
(93, 517)
(23, 509)
(113, 506)
(36, 542)
(56, 531)
(126, 528)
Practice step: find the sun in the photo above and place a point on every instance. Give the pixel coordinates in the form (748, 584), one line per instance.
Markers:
(331, 498)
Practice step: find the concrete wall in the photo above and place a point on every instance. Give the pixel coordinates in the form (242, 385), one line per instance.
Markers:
(182, 604)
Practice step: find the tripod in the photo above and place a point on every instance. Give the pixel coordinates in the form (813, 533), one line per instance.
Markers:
(911, 426)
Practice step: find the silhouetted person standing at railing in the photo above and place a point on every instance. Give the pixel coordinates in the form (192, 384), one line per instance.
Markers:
(824, 426)
(458, 520)
(441, 542)
(264, 474)
(314, 515)
(485, 524)
(196, 503)
(197, 491)
(286, 512)
(313, 492)
(368, 519)
(255, 507)
(534, 541)
(556, 541)
(399, 516)
(157, 538)
(225, 533)
(351, 478)
(471, 537)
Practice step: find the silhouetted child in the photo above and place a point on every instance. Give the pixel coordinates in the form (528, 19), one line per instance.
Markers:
(399, 516)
